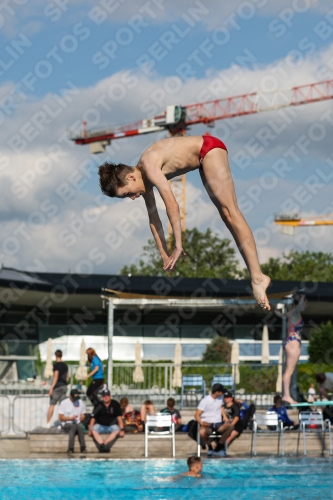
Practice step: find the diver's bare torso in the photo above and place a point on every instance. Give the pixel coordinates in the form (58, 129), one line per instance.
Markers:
(174, 156)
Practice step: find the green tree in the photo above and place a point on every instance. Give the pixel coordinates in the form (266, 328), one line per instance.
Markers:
(208, 256)
(320, 347)
(299, 266)
(218, 350)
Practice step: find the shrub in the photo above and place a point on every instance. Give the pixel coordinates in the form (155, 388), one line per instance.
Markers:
(306, 374)
(219, 350)
(320, 348)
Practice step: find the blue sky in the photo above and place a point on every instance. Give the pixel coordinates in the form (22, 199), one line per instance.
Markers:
(269, 36)
(97, 48)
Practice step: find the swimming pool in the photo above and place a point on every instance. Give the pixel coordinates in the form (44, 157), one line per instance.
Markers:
(142, 479)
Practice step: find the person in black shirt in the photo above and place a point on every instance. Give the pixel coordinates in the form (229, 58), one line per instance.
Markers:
(175, 414)
(230, 414)
(106, 418)
(58, 387)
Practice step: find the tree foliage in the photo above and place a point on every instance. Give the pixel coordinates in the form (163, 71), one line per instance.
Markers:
(320, 347)
(218, 350)
(208, 256)
(299, 266)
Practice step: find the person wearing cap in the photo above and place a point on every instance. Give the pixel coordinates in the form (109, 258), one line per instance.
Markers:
(106, 418)
(71, 413)
(209, 413)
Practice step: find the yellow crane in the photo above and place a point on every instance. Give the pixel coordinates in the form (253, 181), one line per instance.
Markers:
(289, 222)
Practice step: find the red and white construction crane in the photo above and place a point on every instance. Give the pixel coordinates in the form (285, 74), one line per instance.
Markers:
(176, 119)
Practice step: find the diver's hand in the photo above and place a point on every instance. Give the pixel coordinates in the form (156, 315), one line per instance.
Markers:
(170, 263)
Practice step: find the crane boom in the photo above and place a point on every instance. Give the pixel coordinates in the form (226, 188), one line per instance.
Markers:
(178, 118)
(289, 222)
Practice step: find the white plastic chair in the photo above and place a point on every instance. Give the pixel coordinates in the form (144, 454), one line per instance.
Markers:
(271, 419)
(161, 420)
(211, 436)
(307, 419)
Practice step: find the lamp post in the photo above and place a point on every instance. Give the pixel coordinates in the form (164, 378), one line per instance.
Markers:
(110, 343)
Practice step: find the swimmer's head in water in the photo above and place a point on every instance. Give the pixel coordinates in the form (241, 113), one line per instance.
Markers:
(194, 463)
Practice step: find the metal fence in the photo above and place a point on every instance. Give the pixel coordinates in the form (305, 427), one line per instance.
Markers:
(256, 381)
(21, 411)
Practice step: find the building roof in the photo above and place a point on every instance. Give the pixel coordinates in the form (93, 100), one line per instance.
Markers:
(155, 286)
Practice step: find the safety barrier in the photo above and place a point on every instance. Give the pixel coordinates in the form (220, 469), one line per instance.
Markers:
(21, 413)
(5, 416)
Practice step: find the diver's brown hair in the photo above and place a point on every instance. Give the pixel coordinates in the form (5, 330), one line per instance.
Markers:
(112, 176)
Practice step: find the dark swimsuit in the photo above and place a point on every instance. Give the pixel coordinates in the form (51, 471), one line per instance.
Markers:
(209, 143)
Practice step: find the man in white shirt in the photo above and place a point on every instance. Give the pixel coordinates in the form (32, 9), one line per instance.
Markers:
(325, 383)
(209, 413)
(71, 413)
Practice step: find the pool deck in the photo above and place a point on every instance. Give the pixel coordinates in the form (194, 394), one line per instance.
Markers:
(54, 446)
(132, 447)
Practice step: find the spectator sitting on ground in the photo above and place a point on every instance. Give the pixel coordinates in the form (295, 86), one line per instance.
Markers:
(194, 467)
(58, 387)
(147, 408)
(325, 384)
(175, 414)
(209, 415)
(125, 406)
(230, 414)
(71, 414)
(106, 418)
(283, 415)
(312, 394)
(131, 417)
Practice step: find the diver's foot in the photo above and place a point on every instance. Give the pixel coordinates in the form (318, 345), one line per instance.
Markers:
(259, 292)
(286, 401)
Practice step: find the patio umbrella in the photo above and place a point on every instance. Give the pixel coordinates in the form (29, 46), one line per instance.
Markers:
(48, 371)
(235, 361)
(177, 373)
(279, 377)
(138, 375)
(82, 370)
(265, 346)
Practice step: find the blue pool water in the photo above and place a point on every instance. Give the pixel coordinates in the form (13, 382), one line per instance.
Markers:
(283, 479)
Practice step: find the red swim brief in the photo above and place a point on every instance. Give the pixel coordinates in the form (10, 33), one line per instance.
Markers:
(210, 143)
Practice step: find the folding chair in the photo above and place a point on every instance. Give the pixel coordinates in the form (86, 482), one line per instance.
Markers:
(271, 419)
(226, 380)
(313, 423)
(192, 384)
(211, 436)
(159, 420)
